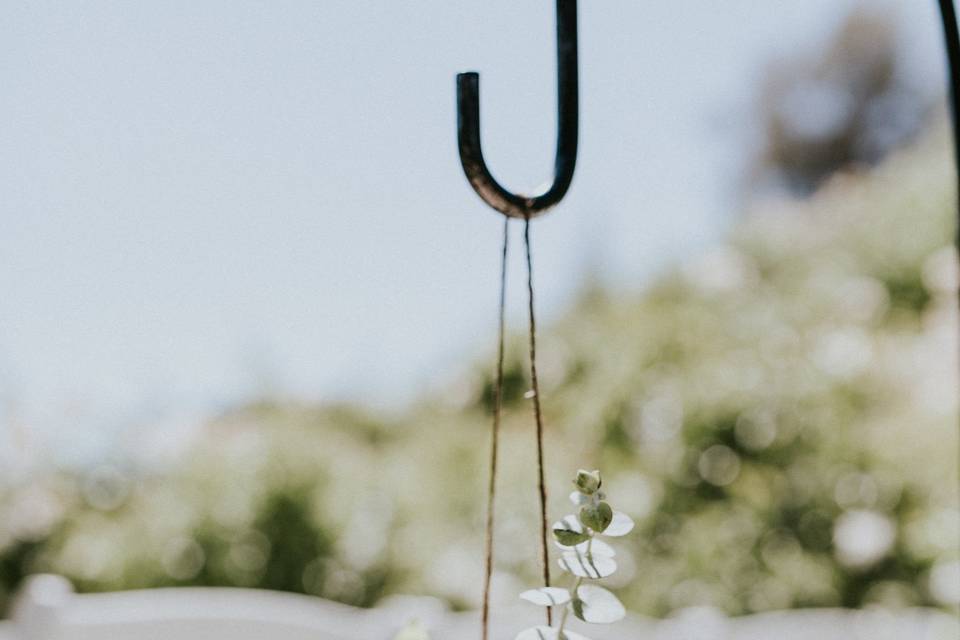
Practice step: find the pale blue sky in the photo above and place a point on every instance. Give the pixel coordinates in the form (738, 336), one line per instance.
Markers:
(204, 198)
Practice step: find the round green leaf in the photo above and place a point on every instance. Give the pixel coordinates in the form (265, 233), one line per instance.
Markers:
(569, 532)
(567, 538)
(546, 596)
(596, 516)
(597, 605)
(587, 481)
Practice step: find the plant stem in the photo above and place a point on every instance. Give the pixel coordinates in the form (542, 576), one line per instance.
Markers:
(573, 594)
(566, 609)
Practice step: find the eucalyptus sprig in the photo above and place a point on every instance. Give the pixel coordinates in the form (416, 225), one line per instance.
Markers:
(586, 557)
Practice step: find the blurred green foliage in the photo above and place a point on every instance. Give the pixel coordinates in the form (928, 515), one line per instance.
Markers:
(850, 101)
(778, 415)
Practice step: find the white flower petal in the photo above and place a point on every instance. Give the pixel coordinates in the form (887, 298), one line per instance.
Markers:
(578, 499)
(621, 525)
(546, 596)
(585, 565)
(546, 633)
(570, 522)
(597, 605)
(597, 546)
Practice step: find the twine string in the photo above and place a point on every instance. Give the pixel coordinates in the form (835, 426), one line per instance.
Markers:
(538, 416)
(495, 429)
(495, 436)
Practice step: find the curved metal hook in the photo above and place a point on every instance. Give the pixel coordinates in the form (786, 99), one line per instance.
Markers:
(468, 129)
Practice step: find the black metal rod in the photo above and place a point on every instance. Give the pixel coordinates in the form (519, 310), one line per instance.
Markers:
(951, 36)
(468, 129)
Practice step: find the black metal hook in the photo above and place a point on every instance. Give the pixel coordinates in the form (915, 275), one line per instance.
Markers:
(468, 129)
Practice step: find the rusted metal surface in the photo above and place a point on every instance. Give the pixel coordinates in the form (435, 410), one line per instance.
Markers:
(468, 129)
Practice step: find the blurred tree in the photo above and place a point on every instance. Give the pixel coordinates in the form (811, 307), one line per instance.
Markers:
(777, 414)
(849, 104)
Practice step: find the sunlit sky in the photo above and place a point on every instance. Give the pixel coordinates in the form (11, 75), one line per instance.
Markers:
(208, 200)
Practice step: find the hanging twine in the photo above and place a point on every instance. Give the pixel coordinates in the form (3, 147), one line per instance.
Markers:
(538, 417)
(495, 435)
(495, 429)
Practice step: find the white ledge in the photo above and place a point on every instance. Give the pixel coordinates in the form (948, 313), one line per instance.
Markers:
(48, 609)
